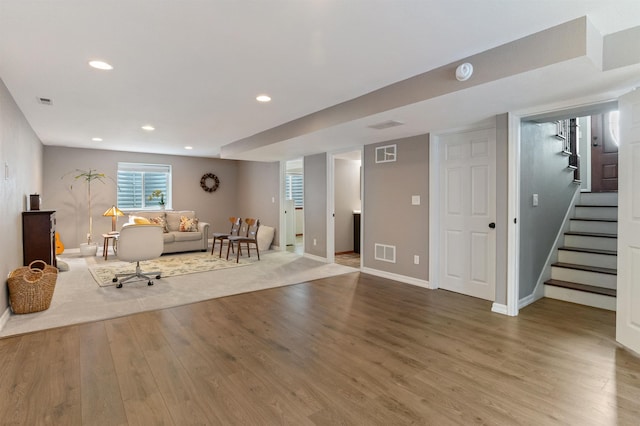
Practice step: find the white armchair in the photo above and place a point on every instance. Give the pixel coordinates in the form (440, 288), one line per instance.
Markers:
(137, 243)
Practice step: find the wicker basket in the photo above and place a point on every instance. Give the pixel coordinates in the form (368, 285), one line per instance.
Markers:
(31, 287)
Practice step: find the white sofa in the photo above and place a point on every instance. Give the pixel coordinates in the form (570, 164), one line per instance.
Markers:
(175, 240)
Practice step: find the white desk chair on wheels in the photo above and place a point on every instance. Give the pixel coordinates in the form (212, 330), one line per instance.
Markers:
(137, 243)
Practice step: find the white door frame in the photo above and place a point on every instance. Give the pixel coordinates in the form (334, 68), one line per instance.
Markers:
(331, 209)
(282, 237)
(331, 197)
(513, 215)
(627, 320)
(513, 195)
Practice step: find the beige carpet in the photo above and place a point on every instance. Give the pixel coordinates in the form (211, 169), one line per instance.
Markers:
(78, 298)
(171, 265)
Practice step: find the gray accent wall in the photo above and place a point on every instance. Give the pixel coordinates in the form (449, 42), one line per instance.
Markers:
(315, 204)
(388, 215)
(21, 168)
(502, 206)
(543, 171)
(259, 192)
(346, 200)
(69, 197)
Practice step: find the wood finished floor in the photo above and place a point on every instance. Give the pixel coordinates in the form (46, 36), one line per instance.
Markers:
(352, 349)
(348, 259)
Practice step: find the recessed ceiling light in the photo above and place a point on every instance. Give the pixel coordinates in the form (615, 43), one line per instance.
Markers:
(96, 139)
(148, 128)
(263, 98)
(101, 65)
(188, 147)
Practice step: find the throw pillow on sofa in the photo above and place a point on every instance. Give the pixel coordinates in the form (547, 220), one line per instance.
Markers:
(138, 220)
(160, 221)
(173, 218)
(188, 224)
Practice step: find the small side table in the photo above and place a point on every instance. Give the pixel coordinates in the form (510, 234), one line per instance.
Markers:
(114, 243)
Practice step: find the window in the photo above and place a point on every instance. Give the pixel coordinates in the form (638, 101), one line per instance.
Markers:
(136, 182)
(294, 190)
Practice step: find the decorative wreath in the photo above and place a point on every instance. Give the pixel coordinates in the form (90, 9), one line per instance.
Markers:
(205, 178)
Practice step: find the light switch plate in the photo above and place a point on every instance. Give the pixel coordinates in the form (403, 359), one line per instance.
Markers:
(535, 200)
(415, 200)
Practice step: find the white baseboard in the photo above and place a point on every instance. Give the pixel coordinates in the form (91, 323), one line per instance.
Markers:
(316, 258)
(527, 300)
(4, 318)
(397, 277)
(499, 308)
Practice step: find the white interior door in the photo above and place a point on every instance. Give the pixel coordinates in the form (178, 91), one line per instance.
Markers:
(467, 213)
(628, 296)
(290, 221)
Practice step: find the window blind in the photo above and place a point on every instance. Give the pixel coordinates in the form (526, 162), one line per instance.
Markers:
(136, 182)
(294, 188)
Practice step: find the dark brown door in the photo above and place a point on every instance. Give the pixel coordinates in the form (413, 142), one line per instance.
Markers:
(604, 152)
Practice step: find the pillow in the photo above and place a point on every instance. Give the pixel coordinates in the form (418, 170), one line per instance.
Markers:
(188, 224)
(141, 220)
(160, 221)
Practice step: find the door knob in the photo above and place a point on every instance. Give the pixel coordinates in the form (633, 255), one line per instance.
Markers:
(492, 225)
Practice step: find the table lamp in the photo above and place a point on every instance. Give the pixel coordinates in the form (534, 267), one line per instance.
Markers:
(113, 212)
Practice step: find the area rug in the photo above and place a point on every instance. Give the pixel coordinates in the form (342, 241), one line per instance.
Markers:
(168, 265)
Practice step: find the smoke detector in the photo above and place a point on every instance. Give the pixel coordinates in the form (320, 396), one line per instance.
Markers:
(46, 101)
(464, 71)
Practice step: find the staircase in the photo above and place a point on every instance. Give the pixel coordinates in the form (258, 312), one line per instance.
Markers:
(586, 270)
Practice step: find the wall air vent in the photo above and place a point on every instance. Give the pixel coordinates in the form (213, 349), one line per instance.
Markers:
(385, 253)
(386, 124)
(386, 154)
(45, 101)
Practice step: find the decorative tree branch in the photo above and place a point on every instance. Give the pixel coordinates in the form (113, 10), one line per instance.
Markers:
(88, 177)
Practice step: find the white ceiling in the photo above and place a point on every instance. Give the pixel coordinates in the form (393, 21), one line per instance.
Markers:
(193, 68)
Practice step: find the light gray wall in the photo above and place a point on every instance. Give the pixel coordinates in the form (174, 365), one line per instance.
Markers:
(21, 152)
(502, 206)
(71, 203)
(389, 217)
(259, 192)
(346, 200)
(543, 171)
(315, 204)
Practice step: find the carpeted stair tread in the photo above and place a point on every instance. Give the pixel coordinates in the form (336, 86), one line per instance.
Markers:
(582, 287)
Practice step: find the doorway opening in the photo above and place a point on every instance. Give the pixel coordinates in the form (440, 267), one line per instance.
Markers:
(347, 168)
(294, 206)
(568, 207)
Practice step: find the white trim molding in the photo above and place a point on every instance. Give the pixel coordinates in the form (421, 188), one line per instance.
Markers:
(527, 300)
(4, 318)
(397, 277)
(513, 215)
(499, 308)
(316, 258)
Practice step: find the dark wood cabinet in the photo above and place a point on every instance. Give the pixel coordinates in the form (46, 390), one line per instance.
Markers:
(39, 236)
(356, 232)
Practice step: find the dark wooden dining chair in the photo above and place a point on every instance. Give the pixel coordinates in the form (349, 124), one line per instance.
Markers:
(251, 238)
(236, 224)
